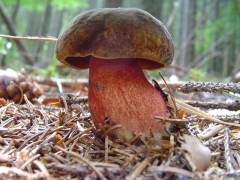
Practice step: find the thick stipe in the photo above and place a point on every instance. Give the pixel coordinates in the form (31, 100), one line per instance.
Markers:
(118, 90)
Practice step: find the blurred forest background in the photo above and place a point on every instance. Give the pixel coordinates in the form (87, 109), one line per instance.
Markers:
(206, 33)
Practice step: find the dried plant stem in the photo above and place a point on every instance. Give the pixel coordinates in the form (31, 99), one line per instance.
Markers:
(101, 176)
(210, 132)
(192, 118)
(106, 149)
(232, 118)
(233, 106)
(139, 169)
(210, 87)
(227, 150)
(66, 83)
(233, 174)
(194, 111)
(40, 39)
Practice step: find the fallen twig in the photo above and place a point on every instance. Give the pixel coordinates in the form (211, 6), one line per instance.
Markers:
(233, 106)
(101, 176)
(227, 151)
(210, 87)
(141, 166)
(41, 39)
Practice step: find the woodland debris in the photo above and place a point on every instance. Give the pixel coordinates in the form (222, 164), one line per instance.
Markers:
(14, 85)
(188, 109)
(66, 83)
(32, 133)
(211, 87)
(227, 150)
(233, 106)
(198, 155)
(210, 132)
(227, 118)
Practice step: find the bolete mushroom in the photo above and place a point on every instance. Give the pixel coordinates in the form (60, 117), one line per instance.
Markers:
(116, 44)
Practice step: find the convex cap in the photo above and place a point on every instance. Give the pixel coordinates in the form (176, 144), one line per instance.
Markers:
(115, 33)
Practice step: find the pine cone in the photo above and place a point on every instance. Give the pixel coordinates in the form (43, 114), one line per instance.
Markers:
(14, 85)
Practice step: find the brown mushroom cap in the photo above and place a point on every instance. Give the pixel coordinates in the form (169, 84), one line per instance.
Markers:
(115, 33)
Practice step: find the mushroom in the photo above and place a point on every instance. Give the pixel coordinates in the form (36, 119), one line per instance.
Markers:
(116, 44)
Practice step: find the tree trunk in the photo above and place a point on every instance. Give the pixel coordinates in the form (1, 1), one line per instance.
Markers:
(45, 26)
(22, 50)
(93, 4)
(186, 34)
(56, 23)
(14, 13)
(215, 64)
(154, 7)
(113, 3)
(192, 24)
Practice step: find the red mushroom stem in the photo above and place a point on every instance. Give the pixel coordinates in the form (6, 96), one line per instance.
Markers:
(119, 90)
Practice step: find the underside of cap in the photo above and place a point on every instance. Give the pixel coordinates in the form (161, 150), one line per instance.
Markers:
(115, 33)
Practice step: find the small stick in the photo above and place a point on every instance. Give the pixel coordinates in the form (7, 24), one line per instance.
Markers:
(210, 87)
(227, 151)
(233, 106)
(232, 174)
(235, 117)
(159, 118)
(106, 149)
(40, 39)
(66, 83)
(101, 176)
(210, 132)
(139, 169)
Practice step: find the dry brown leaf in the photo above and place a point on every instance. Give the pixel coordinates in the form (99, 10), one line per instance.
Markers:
(180, 114)
(3, 102)
(198, 155)
(58, 138)
(52, 102)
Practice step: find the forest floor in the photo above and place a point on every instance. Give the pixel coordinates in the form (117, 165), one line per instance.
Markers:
(59, 141)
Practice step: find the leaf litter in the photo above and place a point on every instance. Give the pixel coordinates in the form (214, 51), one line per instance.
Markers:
(56, 139)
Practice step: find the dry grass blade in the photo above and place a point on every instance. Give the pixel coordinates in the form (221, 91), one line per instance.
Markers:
(141, 166)
(172, 98)
(171, 119)
(194, 111)
(101, 176)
